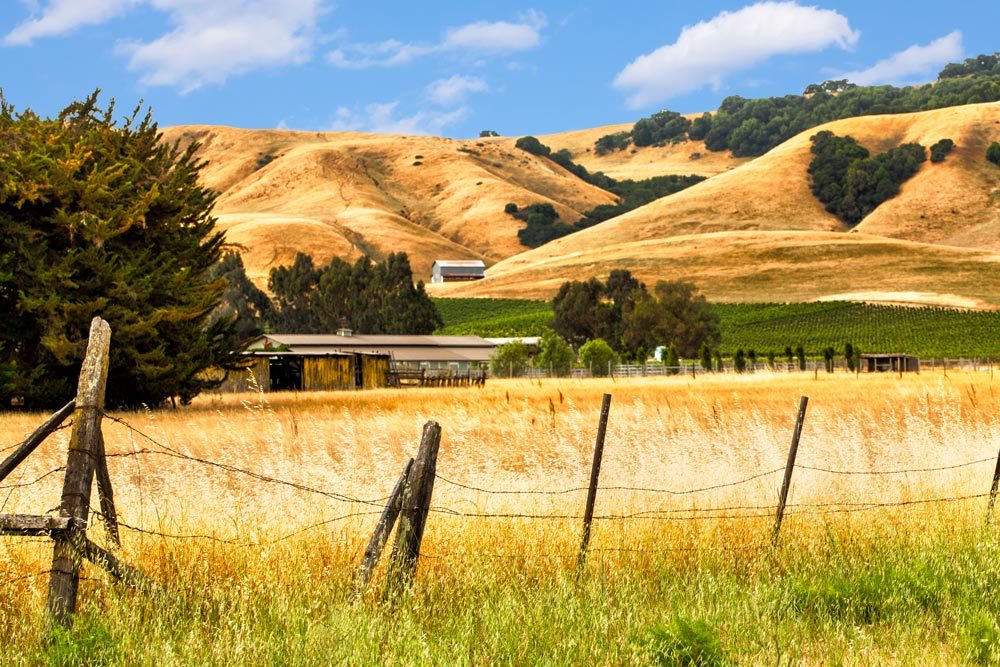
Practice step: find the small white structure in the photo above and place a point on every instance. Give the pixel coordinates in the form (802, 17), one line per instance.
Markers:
(453, 270)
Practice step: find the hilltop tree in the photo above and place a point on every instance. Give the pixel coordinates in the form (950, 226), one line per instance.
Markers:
(99, 218)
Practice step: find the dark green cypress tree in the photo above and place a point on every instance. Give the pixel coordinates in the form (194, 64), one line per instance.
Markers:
(102, 218)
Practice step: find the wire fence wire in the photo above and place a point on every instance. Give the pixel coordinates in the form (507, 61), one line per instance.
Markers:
(676, 514)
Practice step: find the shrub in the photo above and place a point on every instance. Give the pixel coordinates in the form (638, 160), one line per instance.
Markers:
(687, 642)
(740, 361)
(800, 354)
(940, 149)
(597, 356)
(993, 153)
(828, 355)
(706, 356)
(509, 359)
(618, 141)
(510, 209)
(555, 354)
(672, 362)
(533, 146)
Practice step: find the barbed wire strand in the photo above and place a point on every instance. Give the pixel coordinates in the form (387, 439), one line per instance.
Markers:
(170, 451)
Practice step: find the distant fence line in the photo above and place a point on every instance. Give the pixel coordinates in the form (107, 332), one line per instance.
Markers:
(694, 368)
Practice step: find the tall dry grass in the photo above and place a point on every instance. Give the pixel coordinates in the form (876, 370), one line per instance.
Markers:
(274, 554)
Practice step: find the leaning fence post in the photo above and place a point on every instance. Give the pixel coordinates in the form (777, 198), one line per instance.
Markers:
(415, 505)
(80, 464)
(993, 492)
(595, 472)
(789, 465)
(381, 534)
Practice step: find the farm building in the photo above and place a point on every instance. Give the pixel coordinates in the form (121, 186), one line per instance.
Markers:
(453, 270)
(890, 363)
(316, 362)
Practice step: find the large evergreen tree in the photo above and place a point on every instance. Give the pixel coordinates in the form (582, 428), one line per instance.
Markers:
(103, 218)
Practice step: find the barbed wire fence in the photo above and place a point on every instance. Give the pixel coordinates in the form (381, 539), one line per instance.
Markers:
(410, 504)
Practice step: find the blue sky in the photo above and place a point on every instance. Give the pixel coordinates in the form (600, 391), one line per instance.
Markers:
(455, 68)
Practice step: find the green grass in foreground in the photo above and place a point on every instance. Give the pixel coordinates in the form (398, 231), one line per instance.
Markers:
(763, 327)
(912, 601)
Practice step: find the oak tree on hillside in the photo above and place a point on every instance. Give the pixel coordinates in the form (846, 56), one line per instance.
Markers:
(101, 218)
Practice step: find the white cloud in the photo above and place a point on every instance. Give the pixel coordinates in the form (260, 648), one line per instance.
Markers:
(215, 39)
(452, 90)
(920, 62)
(210, 40)
(730, 42)
(382, 118)
(60, 17)
(498, 37)
(481, 37)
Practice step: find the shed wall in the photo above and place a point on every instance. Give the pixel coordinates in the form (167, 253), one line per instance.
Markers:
(374, 371)
(325, 373)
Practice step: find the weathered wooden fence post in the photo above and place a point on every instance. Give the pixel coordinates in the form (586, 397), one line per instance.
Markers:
(415, 505)
(381, 535)
(789, 466)
(595, 472)
(993, 492)
(84, 445)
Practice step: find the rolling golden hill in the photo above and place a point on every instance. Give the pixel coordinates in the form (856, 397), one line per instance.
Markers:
(756, 232)
(688, 157)
(348, 194)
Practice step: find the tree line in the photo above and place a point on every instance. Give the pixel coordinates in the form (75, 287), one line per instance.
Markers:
(542, 223)
(367, 297)
(751, 127)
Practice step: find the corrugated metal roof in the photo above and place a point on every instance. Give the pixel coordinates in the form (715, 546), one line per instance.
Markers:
(362, 340)
(471, 263)
(400, 348)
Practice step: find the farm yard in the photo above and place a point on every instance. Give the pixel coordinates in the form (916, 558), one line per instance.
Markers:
(884, 554)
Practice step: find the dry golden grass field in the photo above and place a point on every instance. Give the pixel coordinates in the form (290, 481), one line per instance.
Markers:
(255, 572)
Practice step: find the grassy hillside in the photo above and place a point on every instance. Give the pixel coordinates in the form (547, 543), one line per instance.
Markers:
(764, 327)
(729, 234)
(348, 194)
(751, 266)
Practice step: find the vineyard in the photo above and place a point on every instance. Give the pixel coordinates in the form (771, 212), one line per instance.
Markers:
(494, 317)
(764, 327)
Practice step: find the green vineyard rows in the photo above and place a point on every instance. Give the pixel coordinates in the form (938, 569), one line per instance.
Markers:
(494, 318)
(764, 327)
